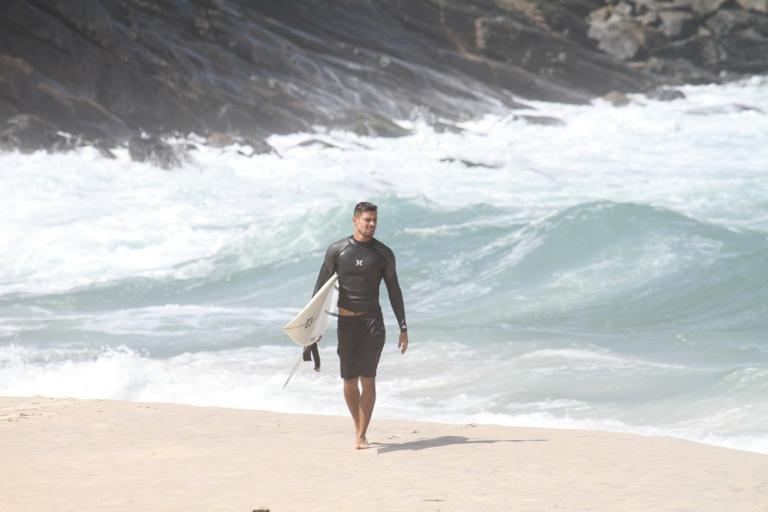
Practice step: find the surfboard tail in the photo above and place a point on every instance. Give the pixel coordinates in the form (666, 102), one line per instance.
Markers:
(312, 321)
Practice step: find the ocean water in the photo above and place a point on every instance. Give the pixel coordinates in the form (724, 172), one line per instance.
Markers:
(611, 273)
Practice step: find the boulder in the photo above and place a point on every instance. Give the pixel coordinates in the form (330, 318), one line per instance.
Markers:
(469, 163)
(617, 99)
(540, 120)
(260, 146)
(317, 143)
(702, 7)
(702, 50)
(618, 36)
(649, 18)
(29, 133)
(665, 95)
(104, 148)
(719, 39)
(676, 24)
(680, 71)
(219, 140)
(729, 21)
(370, 125)
(444, 127)
(156, 152)
(699, 7)
(733, 108)
(754, 5)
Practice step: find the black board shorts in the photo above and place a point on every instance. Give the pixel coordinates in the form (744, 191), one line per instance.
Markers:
(361, 340)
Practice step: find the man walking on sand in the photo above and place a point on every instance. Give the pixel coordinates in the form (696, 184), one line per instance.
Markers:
(361, 262)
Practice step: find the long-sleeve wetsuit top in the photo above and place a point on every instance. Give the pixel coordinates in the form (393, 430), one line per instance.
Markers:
(361, 267)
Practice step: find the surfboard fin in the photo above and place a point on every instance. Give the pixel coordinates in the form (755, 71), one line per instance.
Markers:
(295, 367)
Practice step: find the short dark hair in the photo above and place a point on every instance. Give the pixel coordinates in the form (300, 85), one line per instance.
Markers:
(365, 206)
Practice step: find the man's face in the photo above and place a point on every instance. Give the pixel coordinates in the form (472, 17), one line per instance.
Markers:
(365, 224)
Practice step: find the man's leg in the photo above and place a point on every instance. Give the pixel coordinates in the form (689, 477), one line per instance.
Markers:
(352, 397)
(367, 401)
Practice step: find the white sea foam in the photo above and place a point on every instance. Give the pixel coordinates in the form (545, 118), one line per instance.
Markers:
(78, 219)
(444, 390)
(120, 280)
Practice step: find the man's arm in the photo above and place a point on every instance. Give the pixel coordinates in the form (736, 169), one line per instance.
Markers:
(395, 294)
(396, 299)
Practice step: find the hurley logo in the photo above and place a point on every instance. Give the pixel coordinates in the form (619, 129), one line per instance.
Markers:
(358, 263)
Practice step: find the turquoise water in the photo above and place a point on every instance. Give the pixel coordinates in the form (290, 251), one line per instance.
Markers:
(611, 273)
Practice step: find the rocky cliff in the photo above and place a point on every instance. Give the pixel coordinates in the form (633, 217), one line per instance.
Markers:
(106, 71)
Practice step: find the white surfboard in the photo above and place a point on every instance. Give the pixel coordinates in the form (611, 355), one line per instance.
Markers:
(311, 323)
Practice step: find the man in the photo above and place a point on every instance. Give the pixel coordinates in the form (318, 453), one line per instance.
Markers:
(361, 262)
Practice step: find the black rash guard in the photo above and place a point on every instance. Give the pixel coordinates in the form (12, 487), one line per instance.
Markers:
(361, 267)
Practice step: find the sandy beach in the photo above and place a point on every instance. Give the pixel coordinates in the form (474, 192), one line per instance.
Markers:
(67, 454)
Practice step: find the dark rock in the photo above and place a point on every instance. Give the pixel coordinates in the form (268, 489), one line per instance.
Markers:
(468, 163)
(617, 99)
(219, 140)
(29, 133)
(317, 143)
(703, 51)
(701, 7)
(443, 127)
(714, 36)
(155, 152)
(725, 109)
(260, 146)
(108, 69)
(728, 21)
(361, 145)
(370, 125)
(745, 53)
(112, 69)
(105, 149)
(680, 71)
(754, 5)
(540, 120)
(665, 95)
(737, 50)
(677, 23)
(24, 90)
(649, 18)
(519, 52)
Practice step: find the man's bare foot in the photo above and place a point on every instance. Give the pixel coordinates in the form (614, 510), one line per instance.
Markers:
(361, 443)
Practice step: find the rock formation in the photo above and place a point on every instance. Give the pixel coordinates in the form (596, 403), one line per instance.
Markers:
(108, 72)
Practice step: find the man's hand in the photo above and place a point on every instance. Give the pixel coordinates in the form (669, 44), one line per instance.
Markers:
(403, 343)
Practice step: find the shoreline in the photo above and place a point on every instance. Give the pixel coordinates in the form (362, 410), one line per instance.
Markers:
(73, 454)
